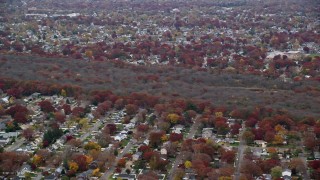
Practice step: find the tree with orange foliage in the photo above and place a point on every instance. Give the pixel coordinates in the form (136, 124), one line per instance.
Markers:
(121, 163)
(73, 166)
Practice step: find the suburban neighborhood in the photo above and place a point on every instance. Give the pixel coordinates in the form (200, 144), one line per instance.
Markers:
(168, 89)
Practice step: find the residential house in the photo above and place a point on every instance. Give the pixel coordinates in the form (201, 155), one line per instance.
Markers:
(4, 141)
(286, 174)
(125, 176)
(3, 121)
(178, 129)
(261, 143)
(207, 133)
(50, 177)
(9, 134)
(25, 168)
(136, 156)
(85, 175)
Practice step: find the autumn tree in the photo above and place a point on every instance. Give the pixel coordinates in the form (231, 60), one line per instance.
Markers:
(46, 106)
(59, 117)
(92, 145)
(81, 160)
(131, 109)
(228, 156)
(248, 136)
(155, 138)
(276, 172)
(175, 137)
(173, 118)
(297, 164)
(28, 133)
(121, 163)
(67, 109)
(250, 168)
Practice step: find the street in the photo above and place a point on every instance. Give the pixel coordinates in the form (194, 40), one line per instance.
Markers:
(179, 157)
(240, 154)
(94, 128)
(111, 170)
(15, 145)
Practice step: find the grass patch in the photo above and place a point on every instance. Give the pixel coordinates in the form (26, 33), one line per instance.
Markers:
(234, 144)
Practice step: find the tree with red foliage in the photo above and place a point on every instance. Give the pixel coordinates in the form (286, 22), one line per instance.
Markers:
(81, 160)
(104, 107)
(175, 137)
(269, 136)
(250, 168)
(15, 92)
(310, 142)
(251, 122)
(17, 108)
(28, 133)
(59, 117)
(131, 109)
(150, 175)
(228, 156)
(143, 127)
(119, 104)
(221, 125)
(147, 155)
(78, 111)
(46, 106)
(144, 148)
(268, 164)
(315, 165)
(112, 128)
(121, 163)
(67, 109)
(20, 117)
(235, 128)
(12, 161)
(155, 138)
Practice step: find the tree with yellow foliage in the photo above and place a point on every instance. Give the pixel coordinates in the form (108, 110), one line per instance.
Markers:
(280, 129)
(188, 164)
(164, 138)
(63, 93)
(84, 123)
(37, 160)
(218, 114)
(174, 118)
(278, 139)
(73, 166)
(96, 173)
(92, 145)
(225, 178)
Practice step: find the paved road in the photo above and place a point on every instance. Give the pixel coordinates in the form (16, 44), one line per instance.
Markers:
(120, 155)
(94, 128)
(113, 166)
(240, 154)
(15, 145)
(303, 156)
(179, 157)
(39, 177)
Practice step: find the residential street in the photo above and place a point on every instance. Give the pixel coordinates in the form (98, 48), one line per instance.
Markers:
(120, 155)
(240, 154)
(94, 128)
(15, 145)
(179, 157)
